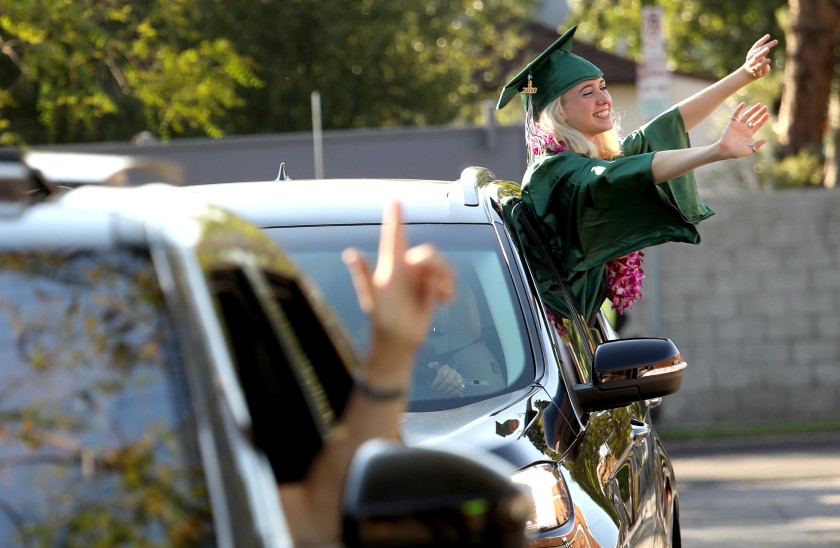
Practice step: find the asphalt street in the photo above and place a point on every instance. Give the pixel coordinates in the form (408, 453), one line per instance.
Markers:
(765, 492)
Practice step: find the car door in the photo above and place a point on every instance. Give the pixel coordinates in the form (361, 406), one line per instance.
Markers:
(647, 460)
(616, 444)
(615, 457)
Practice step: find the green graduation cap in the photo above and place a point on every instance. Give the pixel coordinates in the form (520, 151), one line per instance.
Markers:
(551, 74)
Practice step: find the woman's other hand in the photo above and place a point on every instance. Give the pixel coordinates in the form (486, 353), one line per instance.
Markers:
(737, 139)
(757, 63)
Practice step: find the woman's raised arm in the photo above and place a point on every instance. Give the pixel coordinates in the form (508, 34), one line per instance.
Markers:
(696, 108)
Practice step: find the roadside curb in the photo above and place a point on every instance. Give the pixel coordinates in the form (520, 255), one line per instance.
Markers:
(807, 442)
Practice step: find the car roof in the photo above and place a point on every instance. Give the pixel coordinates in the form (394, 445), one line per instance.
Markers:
(77, 168)
(308, 202)
(91, 217)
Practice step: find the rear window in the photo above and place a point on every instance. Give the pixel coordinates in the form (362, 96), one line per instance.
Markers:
(481, 334)
(97, 441)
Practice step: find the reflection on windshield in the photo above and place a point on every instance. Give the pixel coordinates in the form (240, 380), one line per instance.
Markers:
(475, 345)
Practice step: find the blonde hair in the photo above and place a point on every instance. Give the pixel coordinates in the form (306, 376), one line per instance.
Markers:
(605, 145)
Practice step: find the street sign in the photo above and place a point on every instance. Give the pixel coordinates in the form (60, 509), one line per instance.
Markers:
(653, 81)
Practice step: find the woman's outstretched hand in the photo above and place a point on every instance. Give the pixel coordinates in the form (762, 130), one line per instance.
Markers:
(757, 63)
(737, 139)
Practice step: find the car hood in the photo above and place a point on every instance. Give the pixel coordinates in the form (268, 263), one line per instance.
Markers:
(497, 425)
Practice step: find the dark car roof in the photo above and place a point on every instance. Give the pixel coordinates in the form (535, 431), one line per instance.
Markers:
(343, 201)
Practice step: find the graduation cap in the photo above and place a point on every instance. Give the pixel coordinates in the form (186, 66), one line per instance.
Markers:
(552, 73)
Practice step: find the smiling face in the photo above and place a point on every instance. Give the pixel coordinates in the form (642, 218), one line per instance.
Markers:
(588, 107)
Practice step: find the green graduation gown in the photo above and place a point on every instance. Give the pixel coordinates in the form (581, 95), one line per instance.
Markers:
(592, 211)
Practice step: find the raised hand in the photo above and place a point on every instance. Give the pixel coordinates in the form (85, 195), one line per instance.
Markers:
(401, 294)
(737, 138)
(757, 63)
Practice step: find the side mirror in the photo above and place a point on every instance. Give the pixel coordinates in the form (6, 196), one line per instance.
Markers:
(631, 370)
(406, 496)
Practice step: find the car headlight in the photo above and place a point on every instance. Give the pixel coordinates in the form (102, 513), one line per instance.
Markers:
(550, 496)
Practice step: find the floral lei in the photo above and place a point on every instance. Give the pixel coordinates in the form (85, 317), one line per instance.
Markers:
(624, 275)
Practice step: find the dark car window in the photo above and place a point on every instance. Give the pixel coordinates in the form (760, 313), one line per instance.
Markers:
(295, 382)
(580, 345)
(481, 334)
(97, 440)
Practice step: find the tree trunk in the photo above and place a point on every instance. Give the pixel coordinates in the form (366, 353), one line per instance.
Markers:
(809, 66)
(832, 145)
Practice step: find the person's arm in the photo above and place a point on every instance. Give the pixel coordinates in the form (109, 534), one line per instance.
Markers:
(400, 296)
(696, 108)
(735, 142)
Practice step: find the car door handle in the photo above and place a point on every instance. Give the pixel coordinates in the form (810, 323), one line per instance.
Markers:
(639, 431)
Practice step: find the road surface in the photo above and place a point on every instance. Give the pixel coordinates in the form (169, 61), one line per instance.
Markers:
(768, 492)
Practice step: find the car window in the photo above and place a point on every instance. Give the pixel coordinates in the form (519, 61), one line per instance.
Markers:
(98, 444)
(295, 382)
(481, 334)
(578, 340)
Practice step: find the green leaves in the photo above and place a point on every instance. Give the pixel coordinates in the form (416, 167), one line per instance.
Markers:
(702, 36)
(92, 70)
(107, 69)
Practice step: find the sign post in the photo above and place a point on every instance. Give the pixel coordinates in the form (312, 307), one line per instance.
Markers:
(652, 76)
(654, 87)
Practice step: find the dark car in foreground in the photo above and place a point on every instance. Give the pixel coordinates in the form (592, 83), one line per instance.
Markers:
(569, 406)
(149, 345)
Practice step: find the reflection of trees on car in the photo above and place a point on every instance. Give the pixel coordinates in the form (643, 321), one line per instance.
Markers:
(92, 405)
(598, 462)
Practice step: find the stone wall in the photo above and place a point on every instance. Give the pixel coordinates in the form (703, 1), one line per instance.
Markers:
(755, 309)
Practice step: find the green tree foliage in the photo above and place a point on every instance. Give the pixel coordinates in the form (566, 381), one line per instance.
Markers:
(375, 63)
(91, 70)
(701, 36)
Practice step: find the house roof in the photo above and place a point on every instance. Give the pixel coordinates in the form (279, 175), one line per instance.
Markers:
(616, 69)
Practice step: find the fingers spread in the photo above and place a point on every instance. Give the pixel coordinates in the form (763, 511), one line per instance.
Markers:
(736, 113)
(427, 264)
(761, 41)
(754, 111)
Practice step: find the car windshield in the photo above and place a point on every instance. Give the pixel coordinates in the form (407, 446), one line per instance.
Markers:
(481, 335)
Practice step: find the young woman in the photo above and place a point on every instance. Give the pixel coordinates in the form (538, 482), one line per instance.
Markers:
(597, 200)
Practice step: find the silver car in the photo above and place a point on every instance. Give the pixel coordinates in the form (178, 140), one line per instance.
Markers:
(151, 353)
(566, 402)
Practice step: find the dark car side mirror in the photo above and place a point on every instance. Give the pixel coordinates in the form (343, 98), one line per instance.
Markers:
(631, 370)
(407, 496)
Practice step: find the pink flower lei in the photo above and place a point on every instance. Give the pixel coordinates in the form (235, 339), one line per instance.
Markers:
(543, 141)
(625, 274)
(624, 280)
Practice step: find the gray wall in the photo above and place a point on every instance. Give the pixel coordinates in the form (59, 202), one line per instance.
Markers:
(755, 307)
(417, 153)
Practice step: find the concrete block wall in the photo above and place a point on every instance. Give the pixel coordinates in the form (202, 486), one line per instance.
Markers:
(755, 309)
